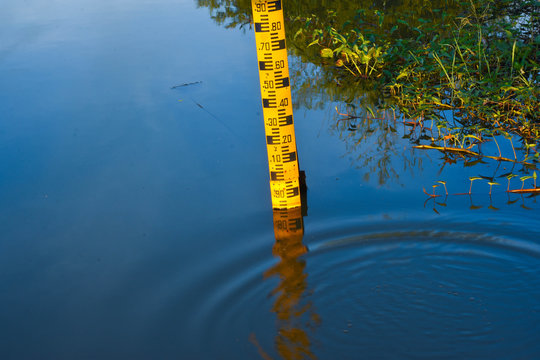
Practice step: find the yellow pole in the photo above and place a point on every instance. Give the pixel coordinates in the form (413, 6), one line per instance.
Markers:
(277, 104)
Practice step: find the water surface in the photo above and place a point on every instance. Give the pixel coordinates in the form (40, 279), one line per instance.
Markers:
(136, 219)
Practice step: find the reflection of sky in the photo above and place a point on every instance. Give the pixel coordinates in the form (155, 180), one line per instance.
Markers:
(100, 163)
(115, 189)
(95, 79)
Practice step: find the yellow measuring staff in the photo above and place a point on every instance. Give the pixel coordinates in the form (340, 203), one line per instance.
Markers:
(277, 104)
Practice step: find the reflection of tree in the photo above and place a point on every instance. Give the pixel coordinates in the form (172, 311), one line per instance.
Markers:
(315, 86)
(292, 340)
(371, 140)
(229, 13)
(233, 13)
(373, 143)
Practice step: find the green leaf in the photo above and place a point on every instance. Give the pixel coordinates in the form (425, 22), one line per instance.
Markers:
(327, 53)
(403, 74)
(313, 43)
(368, 108)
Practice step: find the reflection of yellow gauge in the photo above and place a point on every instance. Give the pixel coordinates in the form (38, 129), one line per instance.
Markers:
(289, 231)
(277, 104)
(296, 315)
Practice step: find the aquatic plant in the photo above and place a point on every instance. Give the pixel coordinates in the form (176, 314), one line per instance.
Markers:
(509, 177)
(478, 65)
(491, 184)
(473, 178)
(444, 184)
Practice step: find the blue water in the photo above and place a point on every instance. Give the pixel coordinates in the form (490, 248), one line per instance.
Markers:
(136, 221)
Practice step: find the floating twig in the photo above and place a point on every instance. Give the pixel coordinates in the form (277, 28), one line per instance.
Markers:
(467, 152)
(524, 191)
(186, 84)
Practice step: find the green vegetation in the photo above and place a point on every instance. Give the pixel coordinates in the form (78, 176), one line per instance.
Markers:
(481, 66)
(461, 75)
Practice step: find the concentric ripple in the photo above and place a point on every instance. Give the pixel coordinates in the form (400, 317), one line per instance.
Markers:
(386, 290)
(426, 294)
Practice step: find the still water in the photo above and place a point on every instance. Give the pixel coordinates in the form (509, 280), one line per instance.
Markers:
(136, 222)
